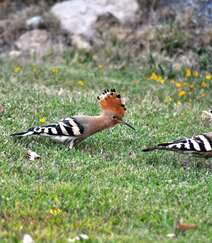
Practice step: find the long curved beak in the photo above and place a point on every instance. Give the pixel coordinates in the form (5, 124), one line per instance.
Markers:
(127, 124)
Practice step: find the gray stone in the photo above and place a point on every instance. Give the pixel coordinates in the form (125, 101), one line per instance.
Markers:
(35, 22)
(78, 17)
(37, 43)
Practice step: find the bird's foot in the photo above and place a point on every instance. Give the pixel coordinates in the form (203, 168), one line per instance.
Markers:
(186, 164)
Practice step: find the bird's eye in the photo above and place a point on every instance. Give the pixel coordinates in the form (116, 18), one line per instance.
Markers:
(114, 117)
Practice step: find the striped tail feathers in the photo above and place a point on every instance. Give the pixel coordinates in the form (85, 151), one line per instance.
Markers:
(29, 132)
(162, 146)
(111, 101)
(200, 144)
(150, 149)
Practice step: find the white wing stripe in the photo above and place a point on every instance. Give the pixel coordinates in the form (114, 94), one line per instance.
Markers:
(61, 124)
(187, 145)
(196, 145)
(54, 130)
(205, 142)
(75, 128)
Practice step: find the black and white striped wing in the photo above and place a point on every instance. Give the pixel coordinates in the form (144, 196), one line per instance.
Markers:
(200, 144)
(67, 127)
(68, 131)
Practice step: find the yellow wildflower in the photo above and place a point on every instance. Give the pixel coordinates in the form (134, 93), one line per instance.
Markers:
(179, 85)
(153, 76)
(18, 69)
(167, 99)
(208, 76)
(181, 93)
(100, 66)
(178, 102)
(55, 70)
(55, 211)
(161, 80)
(195, 74)
(81, 83)
(188, 72)
(42, 120)
(157, 78)
(204, 85)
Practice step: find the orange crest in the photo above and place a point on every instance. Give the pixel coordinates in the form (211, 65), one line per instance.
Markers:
(111, 101)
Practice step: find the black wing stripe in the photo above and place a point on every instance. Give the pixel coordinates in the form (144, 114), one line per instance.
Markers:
(81, 128)
(201, 144)
(191, 145)
(67, 127)
(209, 140)
(69, 130)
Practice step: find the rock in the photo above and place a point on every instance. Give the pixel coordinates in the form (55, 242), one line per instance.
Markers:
(78, 17)
(14, 53)
(37, 43)
(81, 43)
(35, 22)
(34, 41)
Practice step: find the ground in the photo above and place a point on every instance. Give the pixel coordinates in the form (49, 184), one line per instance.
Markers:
(106, 188)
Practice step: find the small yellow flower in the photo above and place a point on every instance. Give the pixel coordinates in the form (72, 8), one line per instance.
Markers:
(179, 85)
(204, 85)
(55, 70)
(168, 99)
(178, 102)
(101, 66)
(153, 76)
(181, 93)
(157, 78)
(188, 72)
(195, 74)
(42, 120)
(208, 76)
(55, 211)
(18, 69)
(81, 83)
(161, 80)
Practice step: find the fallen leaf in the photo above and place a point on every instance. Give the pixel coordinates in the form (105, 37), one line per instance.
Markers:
(171, 235)
(27, 239)
(79, 237)
(185, 226)
(84, 236)
(32, 155)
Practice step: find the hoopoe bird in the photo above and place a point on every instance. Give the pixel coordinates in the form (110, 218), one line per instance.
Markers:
(75, 129)
(200, 145)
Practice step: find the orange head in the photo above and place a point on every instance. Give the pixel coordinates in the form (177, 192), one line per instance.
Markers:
(113, 106)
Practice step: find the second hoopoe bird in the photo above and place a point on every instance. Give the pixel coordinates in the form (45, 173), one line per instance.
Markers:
(200, 145)
(74, 129)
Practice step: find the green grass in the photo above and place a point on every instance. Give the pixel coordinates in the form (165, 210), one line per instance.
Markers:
(106, 188)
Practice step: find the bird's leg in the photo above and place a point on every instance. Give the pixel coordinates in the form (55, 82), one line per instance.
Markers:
(186, 164)
(71, 144)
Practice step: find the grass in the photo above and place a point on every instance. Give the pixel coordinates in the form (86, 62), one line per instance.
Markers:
(106, 188)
